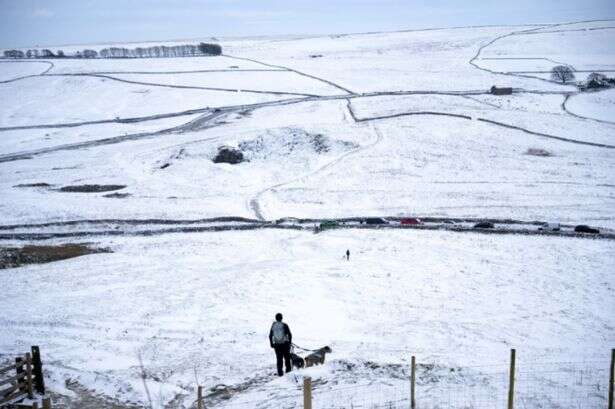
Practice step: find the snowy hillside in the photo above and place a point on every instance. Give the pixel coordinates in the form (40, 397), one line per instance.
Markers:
(118, 154)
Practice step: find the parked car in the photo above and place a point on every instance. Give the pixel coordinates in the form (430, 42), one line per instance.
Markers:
(484, 225)
(550, 227)
(581, 228)
(374, 220)
(328, 224)
(410, 221)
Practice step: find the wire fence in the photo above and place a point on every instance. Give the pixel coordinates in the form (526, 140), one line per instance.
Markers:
(574, 385)
(536, 385)
(366, 396)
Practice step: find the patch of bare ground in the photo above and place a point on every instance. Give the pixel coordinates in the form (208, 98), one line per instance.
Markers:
(86, 399)
(11, 257)
(40, 184)
(538, 152)
(221, 392)
(117, 195)
(91, 188)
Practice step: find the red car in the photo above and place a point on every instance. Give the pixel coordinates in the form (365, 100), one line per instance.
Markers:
(410, 221)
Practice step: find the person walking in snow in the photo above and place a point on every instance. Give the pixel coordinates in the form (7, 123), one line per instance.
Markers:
(280, 339)
(348, 255)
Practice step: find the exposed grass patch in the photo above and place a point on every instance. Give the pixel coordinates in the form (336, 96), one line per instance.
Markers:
(11, 257)
(91, 188)
(538, 152)
(117, 195)
(39, 184)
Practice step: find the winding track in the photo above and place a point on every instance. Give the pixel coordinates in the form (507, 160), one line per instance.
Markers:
(254, 204)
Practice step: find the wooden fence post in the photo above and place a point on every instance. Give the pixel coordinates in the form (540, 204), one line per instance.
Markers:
(307, 393)
(511, 380)
(199, 398)
(412, 382)
(29, 374)
(47, 403)
(37, 370)
(19, 371)
(612, 379)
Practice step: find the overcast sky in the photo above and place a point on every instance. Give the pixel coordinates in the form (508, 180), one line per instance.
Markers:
(58, 22)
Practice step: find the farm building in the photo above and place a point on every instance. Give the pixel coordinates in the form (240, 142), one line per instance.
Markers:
(501, 90)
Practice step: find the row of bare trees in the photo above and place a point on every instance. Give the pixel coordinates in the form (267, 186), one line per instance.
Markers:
(184, 50)
(46, 53)
(565, 74)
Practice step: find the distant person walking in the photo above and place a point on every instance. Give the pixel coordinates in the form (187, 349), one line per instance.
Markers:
(347, 254)
(280, 339)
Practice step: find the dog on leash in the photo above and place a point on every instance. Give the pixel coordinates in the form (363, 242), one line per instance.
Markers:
(297, 361)
(317, 357)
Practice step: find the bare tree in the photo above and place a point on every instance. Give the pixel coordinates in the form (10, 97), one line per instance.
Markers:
(210, 49)
(184, 50)
(14, 54)
(562, 73)
(89, 53)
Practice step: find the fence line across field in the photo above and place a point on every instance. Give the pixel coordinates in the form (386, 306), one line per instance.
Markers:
(515, 384)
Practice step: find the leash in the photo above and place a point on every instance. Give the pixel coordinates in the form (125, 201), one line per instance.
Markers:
(303, 349)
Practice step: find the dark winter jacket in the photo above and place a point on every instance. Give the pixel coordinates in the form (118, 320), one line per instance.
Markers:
(287, 332)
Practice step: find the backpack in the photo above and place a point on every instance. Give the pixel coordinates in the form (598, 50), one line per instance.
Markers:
(279, 333)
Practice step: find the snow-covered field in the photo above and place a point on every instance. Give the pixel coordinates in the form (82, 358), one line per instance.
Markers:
(380, 124)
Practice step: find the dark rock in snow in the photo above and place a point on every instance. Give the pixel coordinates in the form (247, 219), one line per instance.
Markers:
(227, 154)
